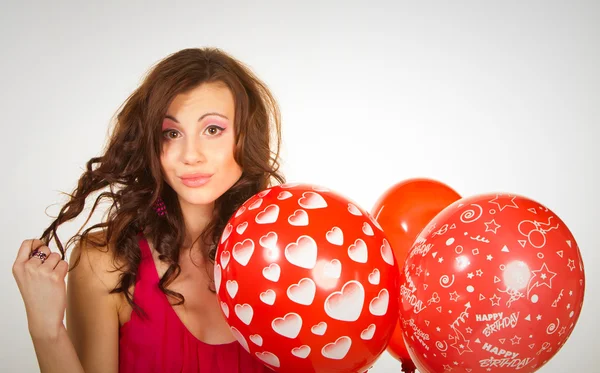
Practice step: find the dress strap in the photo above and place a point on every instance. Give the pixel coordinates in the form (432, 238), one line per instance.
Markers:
(144, 247)
(147, 276)
(146, 294)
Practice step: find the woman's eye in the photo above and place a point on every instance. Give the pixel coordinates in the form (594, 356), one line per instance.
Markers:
(214, 130)
(170, 134)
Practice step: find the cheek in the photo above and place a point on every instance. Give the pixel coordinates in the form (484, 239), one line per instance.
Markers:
(170, 150)
(225, 157)
(232, 164)
(229, 167)
(167, 157)
(236, 169)
(163, 159)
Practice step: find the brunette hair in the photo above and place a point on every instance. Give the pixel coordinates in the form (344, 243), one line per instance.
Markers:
(128, 174)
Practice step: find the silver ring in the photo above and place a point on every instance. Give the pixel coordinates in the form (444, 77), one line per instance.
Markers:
(38, 254)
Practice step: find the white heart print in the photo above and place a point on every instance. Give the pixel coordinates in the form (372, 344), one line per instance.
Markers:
(217, 278)
(268, 216)
(241, 228)
(358, 251)
(337, 350)
(366, 228)
(240, 211)
(288, 326)
(374, 277)
(256, 204)
(335, 236)
(303, 292)
(284, 195)
(240, 338)
(312, 200)
(354, 210)
(302, 253)
(225, 309)
(232, 288)
(320, 328)
(242, 251)
(269, 358)
(272, 272)
(299, 218)
(302, 352)
(347, 304)
(379, 304)
(318, 188)
(256, 339)
(226, 232)
(225, 256)
(333, 269)
(386, 253)
(264, 193)
(244, 312)
(368, 333)
(269, 240)
(268, 297)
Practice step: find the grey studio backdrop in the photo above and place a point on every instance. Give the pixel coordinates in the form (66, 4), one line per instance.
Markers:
(483, 96)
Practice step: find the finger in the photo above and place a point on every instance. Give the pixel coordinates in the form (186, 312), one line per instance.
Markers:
(39, 256)
(62, 267)
(50, 262)
(26, 248)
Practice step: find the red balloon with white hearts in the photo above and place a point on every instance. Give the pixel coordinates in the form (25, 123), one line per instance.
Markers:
(493, 283)
(307, 281)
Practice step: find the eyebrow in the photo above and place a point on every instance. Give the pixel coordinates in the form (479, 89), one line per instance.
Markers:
(199, 119)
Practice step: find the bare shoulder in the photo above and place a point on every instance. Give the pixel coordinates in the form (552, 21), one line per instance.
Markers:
(95, 264)
(92, 311)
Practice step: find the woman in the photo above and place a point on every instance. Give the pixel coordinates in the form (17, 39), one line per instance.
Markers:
(190, 145)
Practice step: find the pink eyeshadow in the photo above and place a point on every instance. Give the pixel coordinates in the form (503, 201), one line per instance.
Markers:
(167, 123)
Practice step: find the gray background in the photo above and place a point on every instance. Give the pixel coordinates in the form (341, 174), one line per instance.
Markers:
(483, 96)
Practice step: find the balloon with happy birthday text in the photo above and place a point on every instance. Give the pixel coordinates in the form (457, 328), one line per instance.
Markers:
(307, 281)
(493, 283)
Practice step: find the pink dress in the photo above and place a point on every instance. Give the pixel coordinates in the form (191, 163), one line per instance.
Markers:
(162, 343)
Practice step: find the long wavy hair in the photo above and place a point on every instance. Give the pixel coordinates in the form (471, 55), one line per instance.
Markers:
(128, 174)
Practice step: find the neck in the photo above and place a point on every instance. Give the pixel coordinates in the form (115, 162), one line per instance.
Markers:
(196, 218)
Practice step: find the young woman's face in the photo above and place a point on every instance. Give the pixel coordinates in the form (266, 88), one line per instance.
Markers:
(198, 144)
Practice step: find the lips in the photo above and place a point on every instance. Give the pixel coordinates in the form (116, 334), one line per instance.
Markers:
(195, 180)
(194, 176)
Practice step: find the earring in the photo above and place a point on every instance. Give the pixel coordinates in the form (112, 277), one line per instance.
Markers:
(159, 207)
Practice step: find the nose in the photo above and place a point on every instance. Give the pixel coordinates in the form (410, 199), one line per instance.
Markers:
(192, 152)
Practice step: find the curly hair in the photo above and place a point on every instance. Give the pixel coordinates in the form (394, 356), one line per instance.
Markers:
(128, 174)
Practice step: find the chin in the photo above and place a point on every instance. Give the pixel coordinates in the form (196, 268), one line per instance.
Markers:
(202, 196)
(205, 195)
(199, 198)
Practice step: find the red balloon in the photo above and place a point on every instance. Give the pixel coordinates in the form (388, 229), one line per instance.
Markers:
(397, 348)
(494, 282)
(307, 281)
(407, 207)
(403, 211)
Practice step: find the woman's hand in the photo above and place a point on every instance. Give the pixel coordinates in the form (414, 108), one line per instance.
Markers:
(40, 276)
